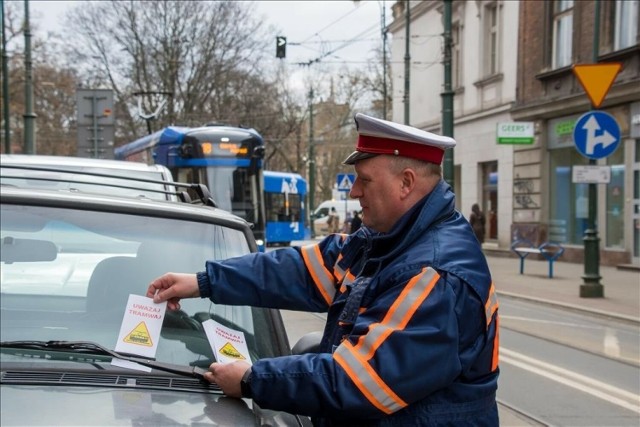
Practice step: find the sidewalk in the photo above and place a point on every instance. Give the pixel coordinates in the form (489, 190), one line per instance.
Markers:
(621, 287)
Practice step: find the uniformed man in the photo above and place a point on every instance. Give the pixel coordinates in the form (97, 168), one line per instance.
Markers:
(412, 324)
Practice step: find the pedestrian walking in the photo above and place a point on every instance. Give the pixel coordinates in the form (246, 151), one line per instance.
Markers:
(356, 222)
(333, 222)
(477, 221)
(412, 325)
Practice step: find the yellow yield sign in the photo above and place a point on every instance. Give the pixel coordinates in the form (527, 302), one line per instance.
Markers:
(596, 79)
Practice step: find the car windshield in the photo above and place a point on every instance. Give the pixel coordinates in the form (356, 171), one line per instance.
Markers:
(67, 275)
(80, 179)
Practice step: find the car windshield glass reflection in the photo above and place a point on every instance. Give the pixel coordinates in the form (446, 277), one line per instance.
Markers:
(67, 275)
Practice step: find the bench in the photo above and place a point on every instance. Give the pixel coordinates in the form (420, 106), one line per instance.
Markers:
(551, 251)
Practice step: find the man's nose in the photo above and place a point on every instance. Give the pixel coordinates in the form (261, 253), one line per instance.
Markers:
(355, 193)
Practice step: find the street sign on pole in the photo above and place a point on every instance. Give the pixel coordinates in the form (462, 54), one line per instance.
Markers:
(596, 134)
(345, 181)
(596, 79)
(591, 174)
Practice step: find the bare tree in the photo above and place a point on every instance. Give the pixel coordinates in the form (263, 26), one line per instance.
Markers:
(54, 89)
(208, 55)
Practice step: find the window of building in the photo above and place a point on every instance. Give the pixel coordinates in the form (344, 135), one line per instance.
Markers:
(626, 26)
(615, 200)
(569, 210)
(456, 56)
(491, 49)
(562, 32)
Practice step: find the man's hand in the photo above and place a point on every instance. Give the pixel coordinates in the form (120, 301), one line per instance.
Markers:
(171, 287)
(227, 376)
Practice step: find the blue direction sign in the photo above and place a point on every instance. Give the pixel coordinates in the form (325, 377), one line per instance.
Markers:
(345, 181)
(596, 134)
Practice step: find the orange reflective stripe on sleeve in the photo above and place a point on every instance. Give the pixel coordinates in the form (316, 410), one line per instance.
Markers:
(491, 305)
(496, 346)
(354, 359)
(490, 310)
(322, 278)
(367, 380)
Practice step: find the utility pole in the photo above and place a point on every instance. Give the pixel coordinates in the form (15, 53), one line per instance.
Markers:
(312, 164)
(5, 86)
(29, 116)
(384, 62)
(447, 96)
(407, 61)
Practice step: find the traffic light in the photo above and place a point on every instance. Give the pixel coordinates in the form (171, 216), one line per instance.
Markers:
(281, 47)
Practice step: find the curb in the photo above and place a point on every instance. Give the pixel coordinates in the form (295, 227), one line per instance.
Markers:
(573, 307)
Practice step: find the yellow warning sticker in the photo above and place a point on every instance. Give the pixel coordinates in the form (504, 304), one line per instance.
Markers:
(139, 336)
(230, 351)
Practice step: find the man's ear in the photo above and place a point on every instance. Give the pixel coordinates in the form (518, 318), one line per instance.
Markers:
(408, 182)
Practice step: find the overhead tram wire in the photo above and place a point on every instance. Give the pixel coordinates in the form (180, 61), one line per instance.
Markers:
(317, 33)
(342, 46)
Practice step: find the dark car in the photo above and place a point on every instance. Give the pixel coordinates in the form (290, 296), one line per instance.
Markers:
(70, 262)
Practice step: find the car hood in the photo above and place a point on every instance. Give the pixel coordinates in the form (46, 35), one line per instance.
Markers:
(45, 405)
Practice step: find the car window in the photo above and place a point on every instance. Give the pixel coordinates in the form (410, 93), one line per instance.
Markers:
(66, 274)
(322, 212)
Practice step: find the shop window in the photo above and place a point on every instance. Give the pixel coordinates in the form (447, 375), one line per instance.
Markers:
(569, 207)
(615, 201)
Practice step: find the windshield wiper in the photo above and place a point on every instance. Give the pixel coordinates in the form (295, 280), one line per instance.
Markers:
(89, 347)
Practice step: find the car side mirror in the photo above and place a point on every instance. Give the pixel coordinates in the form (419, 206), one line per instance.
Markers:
(309, 343)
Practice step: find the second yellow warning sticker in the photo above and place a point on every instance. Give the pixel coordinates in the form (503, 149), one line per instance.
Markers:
(228, 345)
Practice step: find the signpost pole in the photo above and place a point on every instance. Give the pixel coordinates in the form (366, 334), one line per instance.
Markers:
(591, 286)
(596, 80)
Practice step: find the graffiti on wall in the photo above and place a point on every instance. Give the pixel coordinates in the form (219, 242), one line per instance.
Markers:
(523, 188)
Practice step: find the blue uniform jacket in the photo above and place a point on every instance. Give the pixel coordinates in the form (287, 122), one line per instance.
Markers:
(412, 324)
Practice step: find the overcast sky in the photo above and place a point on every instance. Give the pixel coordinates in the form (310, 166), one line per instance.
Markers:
(351, 30)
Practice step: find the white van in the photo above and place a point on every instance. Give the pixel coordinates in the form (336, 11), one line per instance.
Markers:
(320, 216)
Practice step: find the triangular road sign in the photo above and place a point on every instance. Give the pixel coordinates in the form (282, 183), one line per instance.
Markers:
(596, 79)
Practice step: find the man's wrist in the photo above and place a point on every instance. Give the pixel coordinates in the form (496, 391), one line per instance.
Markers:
(245, 385)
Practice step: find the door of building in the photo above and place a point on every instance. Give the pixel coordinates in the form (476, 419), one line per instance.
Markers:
(489, 203)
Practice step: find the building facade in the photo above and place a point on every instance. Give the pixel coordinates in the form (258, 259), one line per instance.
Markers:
(512, 63)
(553, 37)
(483, 79)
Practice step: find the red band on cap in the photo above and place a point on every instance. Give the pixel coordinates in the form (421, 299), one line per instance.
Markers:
(377, 145)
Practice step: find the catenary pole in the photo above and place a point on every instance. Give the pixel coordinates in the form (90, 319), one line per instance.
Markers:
(407, 60)
(29, 115)
(447, 97)
(5, 87)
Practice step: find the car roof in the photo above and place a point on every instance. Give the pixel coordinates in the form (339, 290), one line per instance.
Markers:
(77, 162)
(143, 178)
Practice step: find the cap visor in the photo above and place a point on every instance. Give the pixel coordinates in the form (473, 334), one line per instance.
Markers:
(357, 155)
